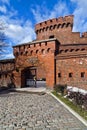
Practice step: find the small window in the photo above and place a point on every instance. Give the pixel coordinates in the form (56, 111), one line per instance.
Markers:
(71, 50)
(45, 22)
(77, 50)
(52, 36)
(70, 75)
(5, 75)
(82, 49)
(12, 75)
(39, 44)
(34, 45)
(29, 46)
(66, 50)
(45, 43)
(26, 52)
(59, 75)
(82, 74)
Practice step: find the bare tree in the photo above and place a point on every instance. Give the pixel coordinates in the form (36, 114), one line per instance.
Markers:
(2, 38)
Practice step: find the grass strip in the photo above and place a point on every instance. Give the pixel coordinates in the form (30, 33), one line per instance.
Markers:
(76, 108)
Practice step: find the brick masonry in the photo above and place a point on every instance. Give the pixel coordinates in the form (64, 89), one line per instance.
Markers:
(58, 55)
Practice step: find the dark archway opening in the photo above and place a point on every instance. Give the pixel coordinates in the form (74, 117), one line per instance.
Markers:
(28, 77)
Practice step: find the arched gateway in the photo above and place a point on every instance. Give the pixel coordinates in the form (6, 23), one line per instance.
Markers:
(39, 64)
(28, 77)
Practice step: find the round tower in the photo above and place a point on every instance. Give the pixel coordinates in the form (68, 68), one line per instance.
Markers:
(51, 28)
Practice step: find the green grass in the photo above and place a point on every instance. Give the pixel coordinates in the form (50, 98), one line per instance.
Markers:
(76, 108)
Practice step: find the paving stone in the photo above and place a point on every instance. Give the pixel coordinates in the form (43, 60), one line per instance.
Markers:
(29, 128)
(20, 111)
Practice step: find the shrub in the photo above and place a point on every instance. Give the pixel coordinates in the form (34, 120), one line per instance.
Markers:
(78, 99)
(61, 88)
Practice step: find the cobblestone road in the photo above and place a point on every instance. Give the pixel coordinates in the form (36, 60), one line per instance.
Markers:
(35, 112)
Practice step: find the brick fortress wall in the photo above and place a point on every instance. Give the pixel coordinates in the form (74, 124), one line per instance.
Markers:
(60, 53)
(71, 65)
(6, 72)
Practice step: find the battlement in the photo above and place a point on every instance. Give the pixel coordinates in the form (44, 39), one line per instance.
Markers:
(84, 34)
(51, 24)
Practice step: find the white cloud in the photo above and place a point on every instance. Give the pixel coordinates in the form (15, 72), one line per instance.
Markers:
(3, 9)
(41, 13)
(5, 1)
(17, 30)
(8, 56)
(80, 12)
(20, 33)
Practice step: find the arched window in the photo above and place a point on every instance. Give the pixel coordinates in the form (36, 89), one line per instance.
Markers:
(31, 52)
(37, 51)
(68, 25)
(59, 26)
(21, 53)
(63, 25)
(51, 27)
(43, 51)
(43, 29)
(26, 52)
(48, 49)
(55, 26)
(47, 28)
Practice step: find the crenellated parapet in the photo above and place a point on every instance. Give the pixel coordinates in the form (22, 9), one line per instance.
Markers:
(34, 48)
(58, 23)
(84, 34)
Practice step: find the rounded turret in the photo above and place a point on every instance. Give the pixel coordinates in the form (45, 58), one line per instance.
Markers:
(50, 27)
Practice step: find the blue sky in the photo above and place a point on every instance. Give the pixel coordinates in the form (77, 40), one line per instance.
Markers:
(20, 17)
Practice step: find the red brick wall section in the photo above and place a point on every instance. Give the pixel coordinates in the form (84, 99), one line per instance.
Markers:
(6, 68)
(76, 66)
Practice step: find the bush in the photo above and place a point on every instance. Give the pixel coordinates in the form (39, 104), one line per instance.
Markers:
(61, 88)
(11, 85)
(78, 99)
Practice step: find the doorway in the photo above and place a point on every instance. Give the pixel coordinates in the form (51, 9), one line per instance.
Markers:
(28, 77)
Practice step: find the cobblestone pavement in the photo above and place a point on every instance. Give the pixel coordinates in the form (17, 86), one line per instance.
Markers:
(19, 111)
